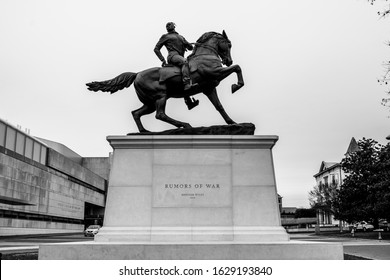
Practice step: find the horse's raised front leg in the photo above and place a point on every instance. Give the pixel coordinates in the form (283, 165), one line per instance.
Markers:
(212, 95)
(226, 71)
(160, 114)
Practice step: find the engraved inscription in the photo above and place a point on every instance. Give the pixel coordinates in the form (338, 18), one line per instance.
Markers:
(191, 186)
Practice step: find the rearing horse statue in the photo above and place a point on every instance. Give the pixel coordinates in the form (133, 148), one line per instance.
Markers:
(155, 86)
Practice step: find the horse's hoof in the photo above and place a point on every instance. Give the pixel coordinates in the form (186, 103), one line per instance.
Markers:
(235, 88)
(144, 131)
(187, 125)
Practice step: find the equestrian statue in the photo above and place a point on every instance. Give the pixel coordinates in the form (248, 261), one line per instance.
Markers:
(156, 85)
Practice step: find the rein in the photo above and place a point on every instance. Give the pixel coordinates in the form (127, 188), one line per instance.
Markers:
(206, 47)
(199, 45)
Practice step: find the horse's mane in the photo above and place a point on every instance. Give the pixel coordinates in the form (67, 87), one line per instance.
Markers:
(206, 36)
(202, 39)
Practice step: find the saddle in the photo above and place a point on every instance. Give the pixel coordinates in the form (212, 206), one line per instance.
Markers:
(168, 71)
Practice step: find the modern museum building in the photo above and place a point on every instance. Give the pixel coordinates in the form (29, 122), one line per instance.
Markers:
(45, 187)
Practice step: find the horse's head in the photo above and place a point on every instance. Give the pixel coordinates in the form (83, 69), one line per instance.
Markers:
(224, 46)
(216, 44)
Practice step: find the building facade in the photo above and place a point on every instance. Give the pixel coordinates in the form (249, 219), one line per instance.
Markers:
(329, 178)
(46, 187)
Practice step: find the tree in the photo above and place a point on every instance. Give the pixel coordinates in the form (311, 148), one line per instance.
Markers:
(321, 200)
(365, 192)
(385, 79)
(384, 12)
(305, 213)
(321, 197)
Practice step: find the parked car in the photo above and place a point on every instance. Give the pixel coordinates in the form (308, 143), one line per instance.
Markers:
(383, 224)
(364, 226)
(92, 230)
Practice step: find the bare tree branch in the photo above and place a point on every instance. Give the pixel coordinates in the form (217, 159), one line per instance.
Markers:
(385, 79)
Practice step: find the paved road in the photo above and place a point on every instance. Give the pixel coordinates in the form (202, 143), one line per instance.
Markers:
(31, 243)
(365, 248)
(369, 249)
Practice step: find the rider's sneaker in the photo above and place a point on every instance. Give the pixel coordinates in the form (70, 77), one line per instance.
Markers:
(191, 102)
(187, 84)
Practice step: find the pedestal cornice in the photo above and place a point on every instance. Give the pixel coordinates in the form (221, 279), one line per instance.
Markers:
(193, 141)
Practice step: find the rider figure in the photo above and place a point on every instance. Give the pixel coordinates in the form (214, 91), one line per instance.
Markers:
(176, 46)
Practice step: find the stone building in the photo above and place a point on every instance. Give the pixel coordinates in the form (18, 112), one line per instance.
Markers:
(45, 187)
(330, 176)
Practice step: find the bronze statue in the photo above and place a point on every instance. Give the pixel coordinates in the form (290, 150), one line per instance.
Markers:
(155, 86)
(176, 46)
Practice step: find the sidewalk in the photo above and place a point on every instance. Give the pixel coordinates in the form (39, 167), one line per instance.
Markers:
(354, 248)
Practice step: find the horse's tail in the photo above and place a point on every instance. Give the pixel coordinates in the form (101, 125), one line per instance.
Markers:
(120, 82)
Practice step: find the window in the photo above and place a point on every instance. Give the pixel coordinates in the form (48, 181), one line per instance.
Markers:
(326, 180)
(29, 148)
(37, 151)
(20, 139)
(10, 139)
(320, 186)
(43, 155)
(334, 179)
(2, 134)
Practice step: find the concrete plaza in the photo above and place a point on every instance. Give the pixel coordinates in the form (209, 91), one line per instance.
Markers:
(356, 247)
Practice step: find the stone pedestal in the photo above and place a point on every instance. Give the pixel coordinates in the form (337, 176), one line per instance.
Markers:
(192, 197)
(192, 188)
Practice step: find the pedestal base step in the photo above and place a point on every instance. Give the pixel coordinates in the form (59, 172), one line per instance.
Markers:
(291, 250)
(192, 234)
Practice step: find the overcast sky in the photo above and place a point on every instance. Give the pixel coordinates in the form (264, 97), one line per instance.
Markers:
(310, 68)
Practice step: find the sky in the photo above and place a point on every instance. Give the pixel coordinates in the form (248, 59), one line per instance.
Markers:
(310, 69)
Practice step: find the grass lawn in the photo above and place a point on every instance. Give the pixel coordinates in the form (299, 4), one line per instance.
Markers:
(358, 234)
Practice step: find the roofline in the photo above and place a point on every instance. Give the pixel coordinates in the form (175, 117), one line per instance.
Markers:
(330, 168)
(34, 138)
